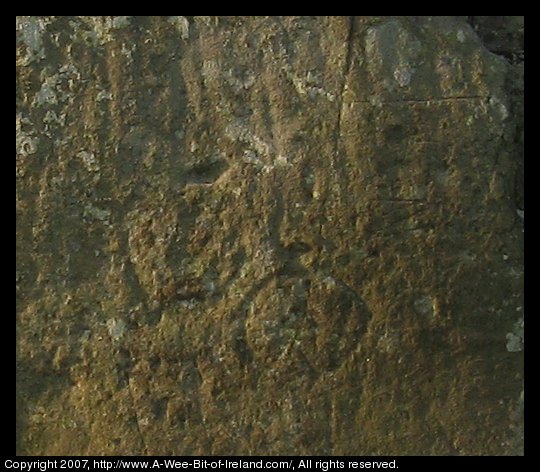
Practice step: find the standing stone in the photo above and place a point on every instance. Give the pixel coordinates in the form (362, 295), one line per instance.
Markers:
(268, 235)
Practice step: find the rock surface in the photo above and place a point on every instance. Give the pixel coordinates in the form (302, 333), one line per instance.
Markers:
(269, 235)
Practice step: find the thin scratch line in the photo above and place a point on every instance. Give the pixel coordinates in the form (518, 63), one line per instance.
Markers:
(427, 101)
(133, 405)
(346, 71)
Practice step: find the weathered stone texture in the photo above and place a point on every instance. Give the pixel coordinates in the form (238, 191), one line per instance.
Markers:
(267, 235)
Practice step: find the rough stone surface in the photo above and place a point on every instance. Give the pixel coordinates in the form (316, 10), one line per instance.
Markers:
(269, 235)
